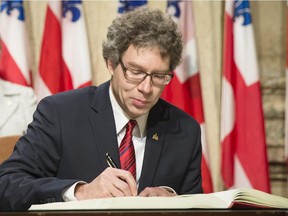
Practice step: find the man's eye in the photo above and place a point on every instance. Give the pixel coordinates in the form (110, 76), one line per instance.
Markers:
(159, 76)
(137, 72)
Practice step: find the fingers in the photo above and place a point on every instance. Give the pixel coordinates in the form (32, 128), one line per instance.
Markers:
(124, 182)
(156, 191)
(129, 180)
(118, 182)
(119, 187)
(111, 182)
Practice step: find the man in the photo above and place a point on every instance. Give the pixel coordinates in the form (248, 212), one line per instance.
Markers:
(17, 104)
(63, 155)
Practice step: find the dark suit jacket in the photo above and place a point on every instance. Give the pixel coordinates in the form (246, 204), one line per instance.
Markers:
(70, 135)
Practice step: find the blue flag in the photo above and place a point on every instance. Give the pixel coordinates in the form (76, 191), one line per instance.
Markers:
(126, 5)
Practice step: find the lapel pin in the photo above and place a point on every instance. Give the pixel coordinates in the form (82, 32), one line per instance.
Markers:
(155, 136)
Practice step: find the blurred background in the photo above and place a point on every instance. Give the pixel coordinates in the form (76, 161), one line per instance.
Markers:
(269, 24)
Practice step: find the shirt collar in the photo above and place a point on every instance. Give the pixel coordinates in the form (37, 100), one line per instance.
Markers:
(121, 118)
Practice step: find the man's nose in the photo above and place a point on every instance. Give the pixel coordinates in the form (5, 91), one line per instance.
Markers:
(146, 85)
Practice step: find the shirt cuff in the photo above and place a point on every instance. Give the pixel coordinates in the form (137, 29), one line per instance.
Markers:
(171, 190)
(69, 194)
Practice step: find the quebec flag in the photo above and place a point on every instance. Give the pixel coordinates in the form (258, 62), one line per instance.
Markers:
(14, 57)
(65, 60)
(184, 90)
(244, 154)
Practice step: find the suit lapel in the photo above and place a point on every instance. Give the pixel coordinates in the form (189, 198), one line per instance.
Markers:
(103, 125)
(156, 130)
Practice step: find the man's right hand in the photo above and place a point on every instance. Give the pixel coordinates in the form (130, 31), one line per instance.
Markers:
(112, 182)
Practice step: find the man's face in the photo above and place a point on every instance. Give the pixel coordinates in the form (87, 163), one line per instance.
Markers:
(137, 99)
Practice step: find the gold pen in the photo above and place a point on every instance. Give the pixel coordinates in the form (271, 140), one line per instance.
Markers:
(110, 161)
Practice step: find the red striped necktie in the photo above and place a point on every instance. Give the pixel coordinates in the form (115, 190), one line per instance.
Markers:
(126, 150)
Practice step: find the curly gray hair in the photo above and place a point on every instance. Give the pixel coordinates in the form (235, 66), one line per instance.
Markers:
(143, 27)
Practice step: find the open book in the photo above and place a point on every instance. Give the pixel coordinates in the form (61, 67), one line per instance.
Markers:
(236, 198)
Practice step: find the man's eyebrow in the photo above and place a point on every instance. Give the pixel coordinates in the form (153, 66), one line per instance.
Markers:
(141, 68)
(133, 64)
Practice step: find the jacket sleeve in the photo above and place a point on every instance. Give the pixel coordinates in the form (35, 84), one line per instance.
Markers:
(192, 182)
(28, 176)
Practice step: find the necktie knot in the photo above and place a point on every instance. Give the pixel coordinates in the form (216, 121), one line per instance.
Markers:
(130, 126)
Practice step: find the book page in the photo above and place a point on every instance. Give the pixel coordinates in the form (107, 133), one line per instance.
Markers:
(176, 202)
(218, 200)
(226, 196)
(260, 198)
(252, 197)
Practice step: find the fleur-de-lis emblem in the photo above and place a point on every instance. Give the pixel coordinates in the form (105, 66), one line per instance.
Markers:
(173, 8)
(126, 5)
(242, 8)
(155, 137)
(9, 6)
(72, 7)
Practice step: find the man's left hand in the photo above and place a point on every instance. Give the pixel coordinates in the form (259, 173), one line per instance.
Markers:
(156, 191)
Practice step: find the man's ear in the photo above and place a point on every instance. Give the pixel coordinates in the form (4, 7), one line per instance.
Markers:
(110, 67)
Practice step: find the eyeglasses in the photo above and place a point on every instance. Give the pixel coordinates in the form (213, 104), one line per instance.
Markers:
(138, 76)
